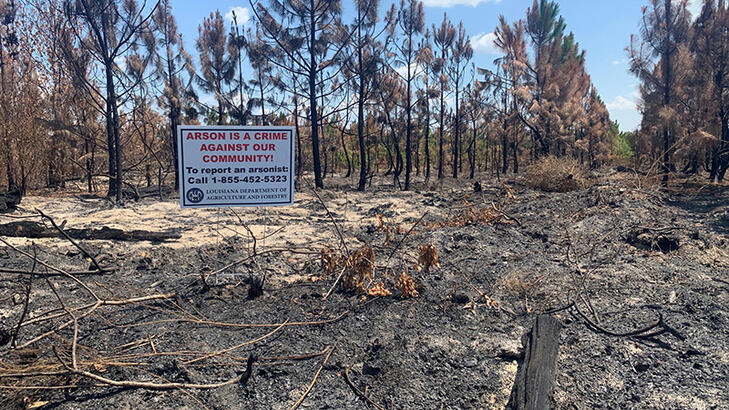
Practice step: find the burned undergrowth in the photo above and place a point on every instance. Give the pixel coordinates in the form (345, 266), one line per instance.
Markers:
(398, 307)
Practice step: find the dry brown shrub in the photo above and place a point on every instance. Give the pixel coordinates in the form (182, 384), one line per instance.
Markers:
(508, 192)
(531, 289)
(406, 286)
(378, 289)
(328, 261)
(469, 216)
(386, 229)
(428, 257)
(360, 268)
(552, 174)
(520, 284)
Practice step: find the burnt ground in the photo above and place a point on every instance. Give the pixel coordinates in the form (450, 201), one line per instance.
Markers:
(620, 254)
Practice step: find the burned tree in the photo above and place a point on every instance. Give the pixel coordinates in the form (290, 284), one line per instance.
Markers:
(665, 27)
(301, 32)
(171, 62)
(404, 32)
(105, 32)
(217, 61)
(443, 37)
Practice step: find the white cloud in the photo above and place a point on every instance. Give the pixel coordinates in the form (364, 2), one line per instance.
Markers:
(695, 7)
(242, 14)
(415, 70)
(484, 43)
(621, 103)
(451, 3)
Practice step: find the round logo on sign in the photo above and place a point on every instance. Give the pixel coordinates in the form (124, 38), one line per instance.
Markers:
(195, 195)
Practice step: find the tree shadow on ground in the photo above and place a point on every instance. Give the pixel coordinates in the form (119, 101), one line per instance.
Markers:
(710, 204)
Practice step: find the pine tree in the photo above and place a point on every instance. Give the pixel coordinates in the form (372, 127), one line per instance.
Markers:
(443, 38)
(664, 30)
(461, 55)
(404, 34)
(218, 59)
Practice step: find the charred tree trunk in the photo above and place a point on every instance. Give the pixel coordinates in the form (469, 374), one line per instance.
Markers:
(313, 113)
(346, 154)
(408, 125)
(515, 154)
(299, 165)
(174, 106)
(456, 137)
(390, 160)
(534, 382)
(505, 149)
(667, 98)
(472, 152)
(440, 134)
(427, 139)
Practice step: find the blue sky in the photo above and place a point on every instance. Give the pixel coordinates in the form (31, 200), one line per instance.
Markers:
(602, 28)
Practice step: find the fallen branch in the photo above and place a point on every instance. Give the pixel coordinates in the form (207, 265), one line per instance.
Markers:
(236, 347)
(30, 229)
(313, 381)
(358, 392)
(238, 325)
(61, 271)
(26, 301)
(74, 243)
(503, 214)
(594, 326)
(92, 307)
(157, 386)
(334, 221)
(293, 357)
(27, 272)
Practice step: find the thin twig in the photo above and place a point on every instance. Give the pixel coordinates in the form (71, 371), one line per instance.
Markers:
(636, 332)
(402, 240)
(75, 324)
(26, 302)
(313, 381)
(27, 272)
(358, 392)
(238, 346)
(76, 244)
(334, 222)
(336, 281)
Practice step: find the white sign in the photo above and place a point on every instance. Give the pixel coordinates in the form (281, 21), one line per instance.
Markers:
(223, 166)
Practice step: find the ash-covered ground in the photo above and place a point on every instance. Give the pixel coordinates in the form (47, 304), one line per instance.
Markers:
(605, 260)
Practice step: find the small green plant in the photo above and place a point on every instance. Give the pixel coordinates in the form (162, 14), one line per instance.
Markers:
(621, 146)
